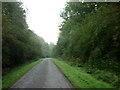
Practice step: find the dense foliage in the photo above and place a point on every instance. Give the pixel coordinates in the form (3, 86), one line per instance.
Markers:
(90, 35)
(19, 44)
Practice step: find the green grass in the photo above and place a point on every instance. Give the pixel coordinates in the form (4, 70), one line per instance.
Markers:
(10, 78)
(78, 78)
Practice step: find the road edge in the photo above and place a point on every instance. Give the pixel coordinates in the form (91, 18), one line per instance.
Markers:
(66, 78)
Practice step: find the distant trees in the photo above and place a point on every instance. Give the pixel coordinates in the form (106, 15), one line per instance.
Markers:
(91, 32)
(19, 44)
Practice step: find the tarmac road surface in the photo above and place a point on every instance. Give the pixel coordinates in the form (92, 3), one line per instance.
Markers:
(44, 75)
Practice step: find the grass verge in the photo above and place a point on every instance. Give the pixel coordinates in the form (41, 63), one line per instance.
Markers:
(78, 78)
(9, 79)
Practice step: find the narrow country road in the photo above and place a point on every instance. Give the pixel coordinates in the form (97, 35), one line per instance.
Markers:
(43, 75)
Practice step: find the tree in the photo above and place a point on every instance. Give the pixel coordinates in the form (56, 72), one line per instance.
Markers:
(90, 32)
(19, 44)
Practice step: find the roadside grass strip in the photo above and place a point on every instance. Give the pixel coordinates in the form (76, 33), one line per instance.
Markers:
(78, 78)
(10, 78)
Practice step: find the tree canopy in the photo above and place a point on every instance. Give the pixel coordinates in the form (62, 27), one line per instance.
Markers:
(90, 33)
(19, 44)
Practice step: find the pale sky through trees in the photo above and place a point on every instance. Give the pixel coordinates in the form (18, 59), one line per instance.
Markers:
(44, 17)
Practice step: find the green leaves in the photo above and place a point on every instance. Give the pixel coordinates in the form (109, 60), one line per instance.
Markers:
(19, 43)
(91, 32)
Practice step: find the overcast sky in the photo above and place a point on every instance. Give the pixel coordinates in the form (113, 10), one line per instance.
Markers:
(44, 17)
